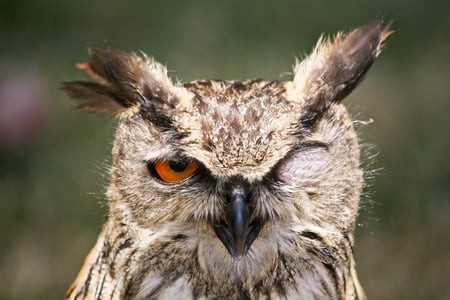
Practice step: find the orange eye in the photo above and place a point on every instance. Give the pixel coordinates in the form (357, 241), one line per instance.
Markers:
(174, 171)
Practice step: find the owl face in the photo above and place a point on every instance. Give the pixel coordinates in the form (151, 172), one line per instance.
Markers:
(238, 166)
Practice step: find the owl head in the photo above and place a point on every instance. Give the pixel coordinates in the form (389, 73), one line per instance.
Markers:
(239, 166)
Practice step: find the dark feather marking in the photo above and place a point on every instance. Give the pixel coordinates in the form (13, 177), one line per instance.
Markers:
(124, 245)
(261, 287)
(155, 292)
(243, 292)
(312, 235)
(169, 278)
(87, 282)
(157, 255)
(151, 113)
(127, 263)
(280, 283)
(348, 240)
(79, 293)
(314, 110)
(115, 289)
(239, 86)
(179, 237)
(100, 290)
(332, 271)
(105, 253)
(326, 257)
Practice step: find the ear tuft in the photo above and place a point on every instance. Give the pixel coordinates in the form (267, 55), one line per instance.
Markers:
(95, 97)
(125, 80)
(335, 68)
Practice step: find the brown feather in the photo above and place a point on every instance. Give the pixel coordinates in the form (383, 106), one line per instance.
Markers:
(95, 97)
(123, 80)
(335, 68)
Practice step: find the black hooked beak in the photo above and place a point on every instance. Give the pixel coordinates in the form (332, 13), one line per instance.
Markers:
(236, 232)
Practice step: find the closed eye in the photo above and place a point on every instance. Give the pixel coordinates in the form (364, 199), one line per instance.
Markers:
(304, 161)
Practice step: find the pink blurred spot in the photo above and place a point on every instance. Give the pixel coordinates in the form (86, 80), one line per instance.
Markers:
(23, 107)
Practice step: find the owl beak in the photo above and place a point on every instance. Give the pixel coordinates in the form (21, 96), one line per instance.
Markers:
(238, 218)
(237, 234)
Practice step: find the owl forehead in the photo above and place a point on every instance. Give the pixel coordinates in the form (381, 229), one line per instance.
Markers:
(239, 127)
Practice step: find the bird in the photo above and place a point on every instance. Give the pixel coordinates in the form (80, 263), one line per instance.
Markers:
(229, 189)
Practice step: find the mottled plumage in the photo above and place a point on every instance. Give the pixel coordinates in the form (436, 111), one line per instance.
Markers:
(229, 189)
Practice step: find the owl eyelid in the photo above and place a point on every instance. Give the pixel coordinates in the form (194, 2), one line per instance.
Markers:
(301, 146)
(302, 150)
(180, 158)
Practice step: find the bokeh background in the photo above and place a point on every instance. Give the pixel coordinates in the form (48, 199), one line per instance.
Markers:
(53, 158)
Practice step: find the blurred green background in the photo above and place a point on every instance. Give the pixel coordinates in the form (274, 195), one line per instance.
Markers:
(53, 159)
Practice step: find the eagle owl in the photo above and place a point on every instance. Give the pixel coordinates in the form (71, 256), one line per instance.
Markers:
(229, 189)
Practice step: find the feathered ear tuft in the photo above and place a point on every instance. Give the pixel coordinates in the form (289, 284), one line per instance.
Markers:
(335, 68)
(123, 81)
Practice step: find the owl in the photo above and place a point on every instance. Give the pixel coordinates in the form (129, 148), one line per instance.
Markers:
(229, 189)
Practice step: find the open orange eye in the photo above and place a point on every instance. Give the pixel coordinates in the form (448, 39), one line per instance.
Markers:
(174, 171)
